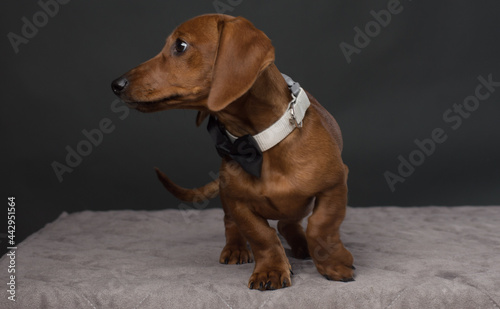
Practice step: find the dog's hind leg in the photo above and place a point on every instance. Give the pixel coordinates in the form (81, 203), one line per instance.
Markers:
(330, 256)
(295, 237)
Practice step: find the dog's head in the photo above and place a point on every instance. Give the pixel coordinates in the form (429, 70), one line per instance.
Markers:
(207, 63)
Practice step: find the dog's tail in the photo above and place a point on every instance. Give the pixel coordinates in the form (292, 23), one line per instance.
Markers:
(208, 191)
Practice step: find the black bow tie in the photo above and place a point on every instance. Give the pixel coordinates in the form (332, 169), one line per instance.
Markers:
(244, 150)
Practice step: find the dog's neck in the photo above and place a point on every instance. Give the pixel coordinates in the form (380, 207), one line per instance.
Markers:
(260, 107)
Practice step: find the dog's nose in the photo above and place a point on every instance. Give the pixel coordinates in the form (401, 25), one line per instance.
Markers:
(119, 84)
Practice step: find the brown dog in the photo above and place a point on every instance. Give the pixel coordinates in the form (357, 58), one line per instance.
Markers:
(223, 66)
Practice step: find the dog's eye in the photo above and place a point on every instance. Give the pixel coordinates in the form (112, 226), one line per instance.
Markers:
(180, 46)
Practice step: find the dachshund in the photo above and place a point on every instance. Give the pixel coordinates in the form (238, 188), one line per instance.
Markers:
(223, 67)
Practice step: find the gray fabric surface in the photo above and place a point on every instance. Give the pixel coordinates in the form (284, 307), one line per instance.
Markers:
(432, 257)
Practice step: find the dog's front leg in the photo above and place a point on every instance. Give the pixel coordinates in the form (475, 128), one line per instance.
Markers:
(330, 256)
(235, 251)
(272, 269)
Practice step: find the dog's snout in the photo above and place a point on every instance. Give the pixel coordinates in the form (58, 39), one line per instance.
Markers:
(119, 84)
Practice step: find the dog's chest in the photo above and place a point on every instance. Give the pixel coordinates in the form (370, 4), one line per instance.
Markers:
(273, 197)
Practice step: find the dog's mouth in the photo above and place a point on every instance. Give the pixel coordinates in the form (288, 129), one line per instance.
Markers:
(150, 106)
(167, 99)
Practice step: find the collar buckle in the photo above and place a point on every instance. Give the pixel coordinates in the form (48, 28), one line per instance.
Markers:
(293, 114)
(293, 118)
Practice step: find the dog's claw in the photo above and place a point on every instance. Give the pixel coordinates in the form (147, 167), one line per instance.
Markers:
(291, 272)
(226, 261)
(283, 285)
(327, 277)
(268, 286)
(261, 286)
(250, 285)
(352, 266)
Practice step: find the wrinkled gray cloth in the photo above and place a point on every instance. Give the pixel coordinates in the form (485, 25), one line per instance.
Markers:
(431, 257)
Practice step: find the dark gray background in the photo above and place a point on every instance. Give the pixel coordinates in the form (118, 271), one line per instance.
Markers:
(393, 92)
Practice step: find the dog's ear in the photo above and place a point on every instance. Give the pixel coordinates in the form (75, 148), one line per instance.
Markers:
(200, 117)
(243, 53)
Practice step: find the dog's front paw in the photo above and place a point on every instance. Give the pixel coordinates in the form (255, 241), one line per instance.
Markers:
(270, 279)
(235, 255)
